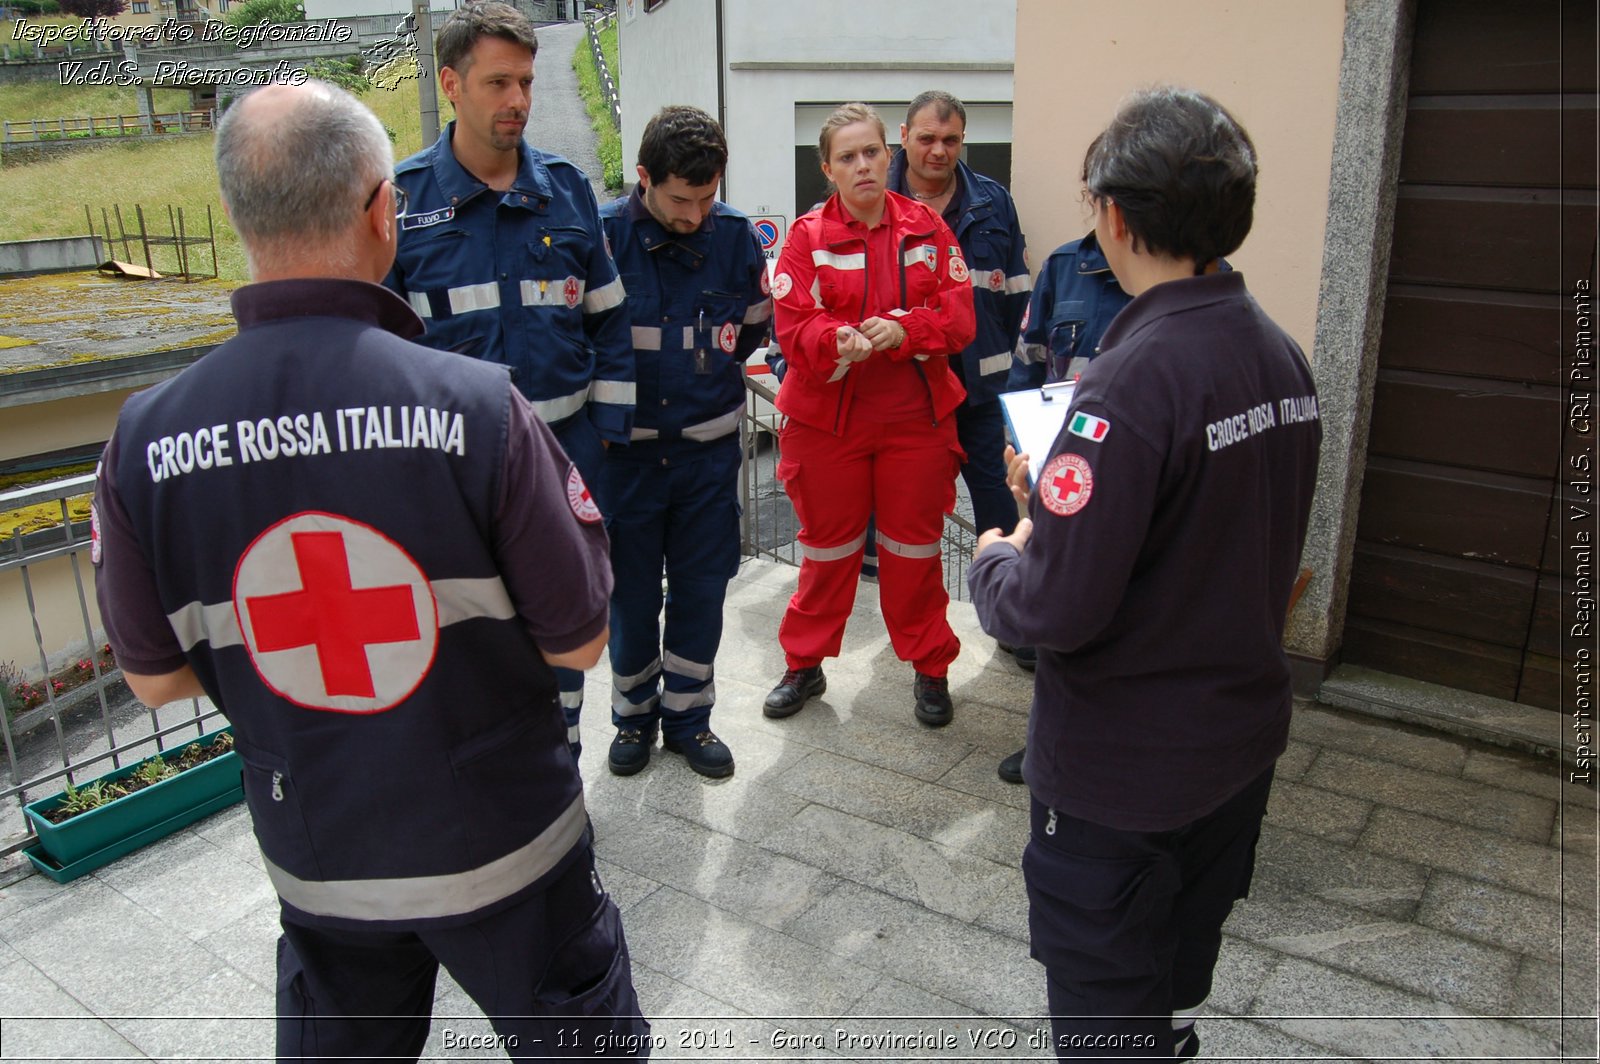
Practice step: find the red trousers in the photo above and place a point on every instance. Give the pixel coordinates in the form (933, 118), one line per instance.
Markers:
(902, 474)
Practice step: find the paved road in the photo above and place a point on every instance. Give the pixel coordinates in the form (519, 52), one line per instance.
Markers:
(559, 122)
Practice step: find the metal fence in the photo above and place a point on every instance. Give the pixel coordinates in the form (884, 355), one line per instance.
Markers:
(608, 83)
(770, 526)
(86, 723)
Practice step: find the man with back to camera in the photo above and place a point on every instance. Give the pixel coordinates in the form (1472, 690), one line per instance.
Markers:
(501, 254)
(982, 215)
(1154, 576)
(698, 300)
(401, 558)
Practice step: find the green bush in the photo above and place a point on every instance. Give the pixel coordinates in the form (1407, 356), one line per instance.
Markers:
(609, 141)
(33, 7)
(253, 11)
(345, 72)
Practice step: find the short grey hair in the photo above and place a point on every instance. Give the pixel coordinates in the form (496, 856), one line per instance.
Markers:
(299, 177)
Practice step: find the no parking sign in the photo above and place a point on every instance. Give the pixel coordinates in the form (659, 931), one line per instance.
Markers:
(770, 228)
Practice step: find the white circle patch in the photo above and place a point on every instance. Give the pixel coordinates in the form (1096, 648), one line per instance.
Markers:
(1066, 484)
(958, 269)
(997, 280)
(781, 285)
(728, 337)
(578, 497)
(335, 615)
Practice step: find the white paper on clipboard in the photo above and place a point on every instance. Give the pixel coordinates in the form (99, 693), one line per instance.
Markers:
(1034, 417)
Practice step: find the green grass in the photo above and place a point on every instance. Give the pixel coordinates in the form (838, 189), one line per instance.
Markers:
(609, 147)
(47, 199)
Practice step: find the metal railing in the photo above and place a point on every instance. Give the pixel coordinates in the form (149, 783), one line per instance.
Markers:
(608, 84)
(33, 130)
(72, 732)
(770, 527)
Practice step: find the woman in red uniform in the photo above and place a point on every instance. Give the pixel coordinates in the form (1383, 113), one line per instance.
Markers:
(870, 296)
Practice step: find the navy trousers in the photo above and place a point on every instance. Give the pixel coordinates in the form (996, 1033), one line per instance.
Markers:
(982, 432)
(679, 519)
(551, 972)
(1128, 924)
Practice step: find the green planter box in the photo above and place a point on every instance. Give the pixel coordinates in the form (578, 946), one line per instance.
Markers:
(89, 840)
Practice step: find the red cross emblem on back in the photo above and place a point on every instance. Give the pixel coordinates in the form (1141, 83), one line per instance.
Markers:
(335, 614)
(1066, 484)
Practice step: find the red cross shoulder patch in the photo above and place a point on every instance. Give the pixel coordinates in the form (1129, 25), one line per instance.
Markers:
(578, 497)
(1066, 484)
(728, 338)
(570, 292)
(335, 615)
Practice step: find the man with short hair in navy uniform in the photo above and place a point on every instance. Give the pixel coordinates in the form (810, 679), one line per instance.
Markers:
(501, 253)
(369, 556)
(982, 215)
(1154, 576)
(698, 300)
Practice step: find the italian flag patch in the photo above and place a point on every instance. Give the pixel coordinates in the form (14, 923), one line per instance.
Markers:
(1089, 427)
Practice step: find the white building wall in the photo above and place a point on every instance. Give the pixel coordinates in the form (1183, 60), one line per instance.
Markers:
(667, 56)
(317, 10)
(786, 67)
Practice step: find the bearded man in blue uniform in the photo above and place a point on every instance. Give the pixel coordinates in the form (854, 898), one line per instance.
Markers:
(370, 556)
(502, 256)
(698, 300)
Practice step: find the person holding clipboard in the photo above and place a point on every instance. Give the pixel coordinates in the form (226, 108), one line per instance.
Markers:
(1154, 574)
(871, 297)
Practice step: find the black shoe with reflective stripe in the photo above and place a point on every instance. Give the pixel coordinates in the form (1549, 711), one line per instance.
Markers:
(793, 690)
(933, 707)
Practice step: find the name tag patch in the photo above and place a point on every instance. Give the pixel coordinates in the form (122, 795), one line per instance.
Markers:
(423, 221)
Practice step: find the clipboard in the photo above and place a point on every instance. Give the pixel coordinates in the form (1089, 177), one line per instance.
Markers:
(1034, 417)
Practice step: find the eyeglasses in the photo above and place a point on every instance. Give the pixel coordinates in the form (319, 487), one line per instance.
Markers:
(401, 199)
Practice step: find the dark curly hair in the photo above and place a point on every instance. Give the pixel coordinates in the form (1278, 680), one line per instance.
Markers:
(684, 141)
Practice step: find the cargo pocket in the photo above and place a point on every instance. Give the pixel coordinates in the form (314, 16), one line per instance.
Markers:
(1097, 918)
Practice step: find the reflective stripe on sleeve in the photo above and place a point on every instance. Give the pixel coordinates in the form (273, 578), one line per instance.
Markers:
(471, 297)
(621, 393)
(419, 303)
(758, 312)
(646, 338)
(833, 554)
(908, 550)
(603, 298)
(824, 257)
(1020, 282)
(991, 364)
(716, 428)
(195, 622)
(552, 410)
(430, 897)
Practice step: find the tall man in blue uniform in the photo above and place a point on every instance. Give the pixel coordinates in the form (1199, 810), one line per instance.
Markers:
(501, 253)
(983, 217)
(1154, 576)
(698, 300)
(370, 556)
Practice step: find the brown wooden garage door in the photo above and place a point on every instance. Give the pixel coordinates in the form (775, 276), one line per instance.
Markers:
(1456, 577)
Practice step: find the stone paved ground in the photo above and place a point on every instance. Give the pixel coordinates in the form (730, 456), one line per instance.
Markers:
(1417, 896)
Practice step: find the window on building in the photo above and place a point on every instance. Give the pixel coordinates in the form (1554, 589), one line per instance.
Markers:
(141, 7)
(222, 5)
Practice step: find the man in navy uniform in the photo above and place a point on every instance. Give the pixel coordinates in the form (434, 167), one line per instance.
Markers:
(370, 556)
(502, 256)
(1154, 576)
(698, 300)
(982, 215)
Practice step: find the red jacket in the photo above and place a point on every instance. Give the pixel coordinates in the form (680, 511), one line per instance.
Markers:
(834, 271)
